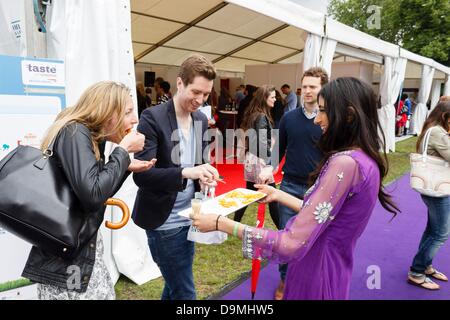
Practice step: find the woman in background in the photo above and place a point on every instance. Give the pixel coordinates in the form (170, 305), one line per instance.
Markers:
(258, 119)
(438, 225)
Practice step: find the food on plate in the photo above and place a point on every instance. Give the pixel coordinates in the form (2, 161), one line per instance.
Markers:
(227, 203)
(233, 198)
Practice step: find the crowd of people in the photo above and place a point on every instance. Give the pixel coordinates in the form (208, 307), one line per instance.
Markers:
(333, 175)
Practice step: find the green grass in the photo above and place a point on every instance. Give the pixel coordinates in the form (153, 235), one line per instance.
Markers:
(216, 266)
(399, 160)
(10, 285)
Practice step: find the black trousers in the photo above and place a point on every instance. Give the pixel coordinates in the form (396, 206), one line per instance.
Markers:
(273, 208)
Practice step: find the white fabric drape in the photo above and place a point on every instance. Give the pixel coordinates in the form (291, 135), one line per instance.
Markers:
(447, 86)
(420, 112)
(435, 94)
(391, 81)
(94, 40)
(327, 54)
(12, 28)
(318, 52)
(311, 52)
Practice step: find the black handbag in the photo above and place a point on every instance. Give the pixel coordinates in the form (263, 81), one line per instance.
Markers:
(38, 204)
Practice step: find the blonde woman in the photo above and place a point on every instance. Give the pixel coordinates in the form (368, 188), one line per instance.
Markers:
(103, 113)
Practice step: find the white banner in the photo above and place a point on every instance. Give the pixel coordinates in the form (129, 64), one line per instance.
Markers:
(12, 28)
(43, 73)
(24, 120)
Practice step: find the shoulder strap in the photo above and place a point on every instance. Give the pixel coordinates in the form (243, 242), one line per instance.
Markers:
(425, 141)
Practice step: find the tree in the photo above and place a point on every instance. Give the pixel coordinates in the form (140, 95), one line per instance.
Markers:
(420, 26)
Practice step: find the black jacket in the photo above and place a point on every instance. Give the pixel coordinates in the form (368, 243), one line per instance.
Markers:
(262, 142)
(93, 182)
(159, 186)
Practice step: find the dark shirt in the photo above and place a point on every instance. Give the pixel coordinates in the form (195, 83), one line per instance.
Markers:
(241, 111)
(158, 187)
(261, 143)
(142, 103)
(298, 139)
(277, 111)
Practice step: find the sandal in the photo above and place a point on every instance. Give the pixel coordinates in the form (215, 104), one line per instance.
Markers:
(432, 272)
(425, 283)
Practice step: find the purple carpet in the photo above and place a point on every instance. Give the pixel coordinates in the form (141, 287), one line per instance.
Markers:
(385, 249)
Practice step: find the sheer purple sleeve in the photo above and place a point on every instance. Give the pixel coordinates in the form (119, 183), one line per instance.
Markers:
(322, 204)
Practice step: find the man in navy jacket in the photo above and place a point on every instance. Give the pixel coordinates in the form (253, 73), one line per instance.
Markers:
(174, 135)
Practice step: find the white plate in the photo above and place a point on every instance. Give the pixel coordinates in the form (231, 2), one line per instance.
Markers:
(213, 205)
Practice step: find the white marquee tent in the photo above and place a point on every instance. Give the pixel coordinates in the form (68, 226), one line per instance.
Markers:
(103, 39)
(237, 33)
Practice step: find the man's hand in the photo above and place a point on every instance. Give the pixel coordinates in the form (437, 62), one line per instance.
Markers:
(137, 166)
(210, 185)
(206, 173)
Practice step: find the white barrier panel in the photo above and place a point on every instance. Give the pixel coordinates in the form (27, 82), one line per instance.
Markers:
(26, 111)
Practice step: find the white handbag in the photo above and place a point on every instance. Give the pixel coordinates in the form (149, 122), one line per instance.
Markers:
(430, 175)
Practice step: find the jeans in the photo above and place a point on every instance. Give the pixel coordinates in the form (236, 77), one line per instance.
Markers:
(435, 234)
(174, 255)
(297, 190)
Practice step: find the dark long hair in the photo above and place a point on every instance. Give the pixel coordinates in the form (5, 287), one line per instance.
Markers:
(439, 116)
(351, 107)
(258, 106)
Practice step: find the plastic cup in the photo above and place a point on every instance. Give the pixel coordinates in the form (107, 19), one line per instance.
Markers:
(196, 205)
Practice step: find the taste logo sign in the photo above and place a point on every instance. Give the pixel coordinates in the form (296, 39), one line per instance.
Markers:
(43, 73)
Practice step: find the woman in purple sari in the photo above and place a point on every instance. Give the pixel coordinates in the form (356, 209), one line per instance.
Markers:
(319, 242)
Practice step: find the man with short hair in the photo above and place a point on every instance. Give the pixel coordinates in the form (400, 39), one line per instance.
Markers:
(298, 137)
(174, 135)
(291, 98)
(163, 92)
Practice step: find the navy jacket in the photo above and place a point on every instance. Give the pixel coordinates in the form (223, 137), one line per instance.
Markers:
(298, 141)
(158, 187)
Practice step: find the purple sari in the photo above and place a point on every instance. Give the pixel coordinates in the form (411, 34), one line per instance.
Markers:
(319, 242)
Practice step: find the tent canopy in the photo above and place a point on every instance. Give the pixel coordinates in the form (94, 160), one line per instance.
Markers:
(236, 33)
(229, 35)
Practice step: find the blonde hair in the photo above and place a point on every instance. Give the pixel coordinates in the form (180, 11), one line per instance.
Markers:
(95, 108)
